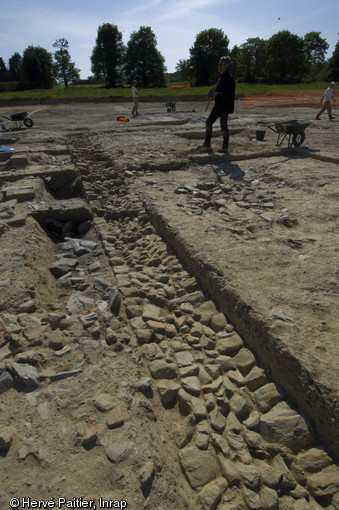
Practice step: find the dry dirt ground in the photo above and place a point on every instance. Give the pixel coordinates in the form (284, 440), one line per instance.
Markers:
(175, 231)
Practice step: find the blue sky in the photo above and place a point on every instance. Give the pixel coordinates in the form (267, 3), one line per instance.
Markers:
(175, 23)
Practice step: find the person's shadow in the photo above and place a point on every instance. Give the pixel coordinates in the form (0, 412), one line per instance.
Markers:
(228, 169)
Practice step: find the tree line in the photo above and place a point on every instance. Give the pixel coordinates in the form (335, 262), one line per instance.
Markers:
(284, 58)
(112, 63)
(38, 68)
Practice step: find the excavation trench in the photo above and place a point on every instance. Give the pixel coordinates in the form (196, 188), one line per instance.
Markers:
(210, 389)
(310, 397)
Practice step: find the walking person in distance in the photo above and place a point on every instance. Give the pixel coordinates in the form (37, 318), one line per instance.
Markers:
(326, 99)
(135, 98)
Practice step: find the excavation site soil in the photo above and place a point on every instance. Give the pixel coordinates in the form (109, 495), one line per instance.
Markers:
(168, 316)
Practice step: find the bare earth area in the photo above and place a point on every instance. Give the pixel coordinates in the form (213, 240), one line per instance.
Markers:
(168, 316)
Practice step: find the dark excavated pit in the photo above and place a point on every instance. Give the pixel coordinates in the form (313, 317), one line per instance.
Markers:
(64, 225)
(64, 184)
(67, 213)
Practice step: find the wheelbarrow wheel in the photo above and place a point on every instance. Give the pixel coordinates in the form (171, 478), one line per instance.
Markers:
(28, 122)
(298, 139)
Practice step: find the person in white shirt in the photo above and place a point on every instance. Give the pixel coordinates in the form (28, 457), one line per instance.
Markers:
(135, 98)
(326, 98)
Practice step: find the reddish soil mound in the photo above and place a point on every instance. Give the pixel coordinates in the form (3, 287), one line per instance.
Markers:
(287, 98)
(181, 86)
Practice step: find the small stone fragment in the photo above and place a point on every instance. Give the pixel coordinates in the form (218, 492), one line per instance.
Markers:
(168, 391)
(103, 402)
(56, 340)
(285, 426)
(115, 418)
(25, 374)
(117, 452)
(162, 370)
(90, 436)
(6, 438)
(192, 385)
(268, 499)
(145, 476)
(324, 484)
(6, 382)
(210, 495)
(267, 396)
(200, 467)
(313, 460)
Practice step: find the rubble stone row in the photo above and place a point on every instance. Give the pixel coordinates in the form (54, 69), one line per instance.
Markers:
(240, 441)
(237, 431)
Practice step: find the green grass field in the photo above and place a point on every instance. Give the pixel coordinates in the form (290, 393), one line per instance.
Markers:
(87, 92)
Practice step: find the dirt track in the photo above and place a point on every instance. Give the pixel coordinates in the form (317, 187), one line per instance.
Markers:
(257, 228)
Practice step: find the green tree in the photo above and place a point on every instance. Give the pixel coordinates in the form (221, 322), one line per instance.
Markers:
(208, 47)
(143, 61)
(36, 67)
(315, 48)
(252, 60)
(4, 73)
(184, 67)
(333, 64)
(234, 54)
(285, 57)
(14, 66)
(107, 55)
(64, 70)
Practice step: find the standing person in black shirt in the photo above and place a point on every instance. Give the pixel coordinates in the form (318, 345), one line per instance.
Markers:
(223, 105)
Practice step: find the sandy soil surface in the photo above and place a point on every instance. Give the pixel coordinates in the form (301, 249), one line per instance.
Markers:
(258, 228)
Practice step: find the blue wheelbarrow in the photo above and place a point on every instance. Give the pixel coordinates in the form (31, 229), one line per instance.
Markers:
(293, 129)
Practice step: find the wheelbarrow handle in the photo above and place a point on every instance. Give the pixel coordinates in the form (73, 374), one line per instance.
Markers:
(266, 124)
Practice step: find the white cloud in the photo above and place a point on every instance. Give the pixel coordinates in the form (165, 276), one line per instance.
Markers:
(141, 7)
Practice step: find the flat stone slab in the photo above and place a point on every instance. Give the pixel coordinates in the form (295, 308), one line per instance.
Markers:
(74, 209)
(200, 467)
